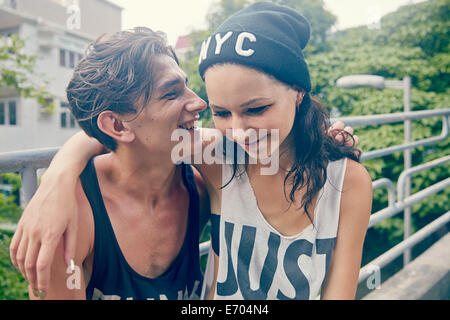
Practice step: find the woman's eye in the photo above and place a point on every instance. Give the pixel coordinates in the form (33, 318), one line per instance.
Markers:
(257, 110)
(221, 114)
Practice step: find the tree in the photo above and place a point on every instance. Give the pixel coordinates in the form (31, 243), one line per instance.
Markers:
(320, 19)
(18, 71)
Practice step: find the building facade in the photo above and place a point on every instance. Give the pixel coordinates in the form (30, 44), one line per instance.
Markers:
(57, 32)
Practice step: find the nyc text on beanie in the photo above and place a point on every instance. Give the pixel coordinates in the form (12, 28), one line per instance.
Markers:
(264, 36)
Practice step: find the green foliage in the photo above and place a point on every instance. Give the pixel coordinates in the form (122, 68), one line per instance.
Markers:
(9, 210)
(12, 284)
(412, 41)
(18, 71)
(320, 19)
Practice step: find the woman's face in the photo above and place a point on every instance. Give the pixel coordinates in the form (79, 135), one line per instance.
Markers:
(242, 99)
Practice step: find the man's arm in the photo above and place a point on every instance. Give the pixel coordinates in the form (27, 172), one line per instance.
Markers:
(64, 282)
(51, 214)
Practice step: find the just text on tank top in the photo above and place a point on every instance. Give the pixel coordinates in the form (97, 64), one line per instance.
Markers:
(256, 262)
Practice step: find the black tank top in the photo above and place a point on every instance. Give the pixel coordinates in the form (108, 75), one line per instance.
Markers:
(113, 278)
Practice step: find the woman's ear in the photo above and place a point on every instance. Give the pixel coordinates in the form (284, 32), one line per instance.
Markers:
(111, 124)
(300, 95)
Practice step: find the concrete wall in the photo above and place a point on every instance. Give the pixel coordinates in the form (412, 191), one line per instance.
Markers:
(96, 16)
(46, 9)
(425, 278)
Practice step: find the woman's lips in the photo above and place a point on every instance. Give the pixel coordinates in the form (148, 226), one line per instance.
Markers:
(247, 145)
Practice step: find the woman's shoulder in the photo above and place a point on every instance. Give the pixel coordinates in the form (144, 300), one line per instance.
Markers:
(356, 176)
(356, 190)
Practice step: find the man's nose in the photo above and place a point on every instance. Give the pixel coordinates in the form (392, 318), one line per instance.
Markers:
(195, 103)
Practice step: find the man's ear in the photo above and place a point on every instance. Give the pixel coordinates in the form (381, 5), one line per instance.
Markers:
(111, 124)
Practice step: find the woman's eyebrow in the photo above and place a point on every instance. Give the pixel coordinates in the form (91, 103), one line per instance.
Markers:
(216, 107)
(245, 104)
(252, 101)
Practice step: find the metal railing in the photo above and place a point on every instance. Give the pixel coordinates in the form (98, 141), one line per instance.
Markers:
(27, 162)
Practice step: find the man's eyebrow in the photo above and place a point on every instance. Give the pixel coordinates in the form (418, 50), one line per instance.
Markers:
(170, 83)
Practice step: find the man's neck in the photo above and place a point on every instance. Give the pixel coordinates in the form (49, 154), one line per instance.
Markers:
(148, 178)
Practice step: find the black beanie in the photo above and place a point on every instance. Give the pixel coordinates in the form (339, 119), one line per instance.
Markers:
(264, 36)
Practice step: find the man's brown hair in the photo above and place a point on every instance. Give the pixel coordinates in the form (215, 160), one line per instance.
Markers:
(115, 75)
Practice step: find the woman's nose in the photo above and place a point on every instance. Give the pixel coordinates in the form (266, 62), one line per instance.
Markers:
(238, 129)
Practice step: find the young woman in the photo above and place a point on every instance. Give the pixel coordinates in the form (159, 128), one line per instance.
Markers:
(296, 232)
(289, 234)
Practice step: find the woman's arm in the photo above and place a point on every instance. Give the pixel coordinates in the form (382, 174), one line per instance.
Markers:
(342, 276)
(212, 290)
(51, 214)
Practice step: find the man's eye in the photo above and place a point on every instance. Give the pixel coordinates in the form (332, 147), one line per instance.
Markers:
(170, 95)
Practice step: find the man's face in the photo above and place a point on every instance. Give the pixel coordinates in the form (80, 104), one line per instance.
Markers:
(172, 106)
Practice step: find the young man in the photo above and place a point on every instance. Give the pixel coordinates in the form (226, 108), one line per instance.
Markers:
(138, 212)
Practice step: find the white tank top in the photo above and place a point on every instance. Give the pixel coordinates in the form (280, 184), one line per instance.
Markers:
(257, 262)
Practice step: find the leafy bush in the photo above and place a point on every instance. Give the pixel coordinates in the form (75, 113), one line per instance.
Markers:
(12, 284)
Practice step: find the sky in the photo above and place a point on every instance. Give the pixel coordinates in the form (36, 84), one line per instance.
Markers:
(179, 17)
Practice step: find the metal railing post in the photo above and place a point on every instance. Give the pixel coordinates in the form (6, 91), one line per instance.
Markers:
(407, 165)
(29, 183)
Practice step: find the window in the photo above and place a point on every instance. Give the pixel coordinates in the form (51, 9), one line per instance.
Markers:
(71, 59)
(66, 118)
(6, 35)
(68, 58)
(9, 3)
(62, 57)
(63, 120)
(79, 57)
(12, 113)
(72, 121)
(8, 113)
(2, 113)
